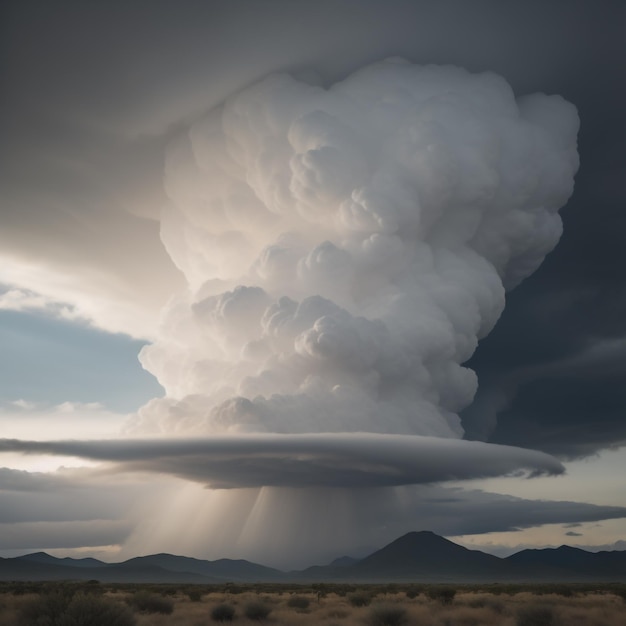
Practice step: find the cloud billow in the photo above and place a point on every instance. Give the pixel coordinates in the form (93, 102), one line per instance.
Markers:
(346, 248)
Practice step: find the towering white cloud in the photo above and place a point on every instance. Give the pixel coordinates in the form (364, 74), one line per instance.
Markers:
(346, 248)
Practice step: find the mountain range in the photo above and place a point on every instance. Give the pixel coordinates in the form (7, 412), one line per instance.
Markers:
(417, 556)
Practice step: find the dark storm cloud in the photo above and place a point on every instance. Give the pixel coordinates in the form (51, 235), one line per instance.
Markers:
(66, 495)
(551, 373)
(330, 460)
(92, 92)
(21, 480)
(454, 511)
(570, 407)
(53, 535)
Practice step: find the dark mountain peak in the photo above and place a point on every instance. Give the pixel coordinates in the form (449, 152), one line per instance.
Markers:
(424, 554)
(420, 543)
(418, 534)
(160, 558)
(44, 557)
(570, 562)
(223, 569)
(569, 549)
(38, 557)
(35, 555)
(548, 553)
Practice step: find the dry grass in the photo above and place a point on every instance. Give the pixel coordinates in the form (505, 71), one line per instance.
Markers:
(469, 608)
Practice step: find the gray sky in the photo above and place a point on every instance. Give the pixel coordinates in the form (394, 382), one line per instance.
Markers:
(93, 93)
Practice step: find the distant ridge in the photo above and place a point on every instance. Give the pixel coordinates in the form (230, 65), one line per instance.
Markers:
(344, 561)
(222, 569)
(43, 557)
(566, 562)
(417, 556)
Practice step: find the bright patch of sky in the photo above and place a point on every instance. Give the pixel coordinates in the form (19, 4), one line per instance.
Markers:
(51, 360)
(598, 479)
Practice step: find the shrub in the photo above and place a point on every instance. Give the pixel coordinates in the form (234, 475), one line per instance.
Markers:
(223, 613)
(90, 610)
(194, 595)
(45, 609)
(620, 592)
(387, 615)
(412, 593)
(539, 615)
(66, 609)
(359, 598)
(298, 602)
(146, 602)
(257, 610)
(563, 590)
(445, 595)
(489, 602)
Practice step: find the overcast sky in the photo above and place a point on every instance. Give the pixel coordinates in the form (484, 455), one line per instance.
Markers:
(104, 119)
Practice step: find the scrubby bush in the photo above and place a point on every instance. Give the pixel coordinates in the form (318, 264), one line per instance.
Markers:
(484, 601)
(90, 610)
(563, 590)
(321, 590)
(445, 595)
(45, 609)
(223, 613)
(387, 615)
(359, 598)
(64, 608)
(257, 611)
(195, 595)
(298, 602)
(620, 592)
(538, 615)
(146, 602)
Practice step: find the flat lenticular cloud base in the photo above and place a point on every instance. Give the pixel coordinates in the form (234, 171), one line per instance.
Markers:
(319, 460)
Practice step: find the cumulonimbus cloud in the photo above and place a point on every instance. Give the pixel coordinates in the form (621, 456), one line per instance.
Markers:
(345, 249)
(316, 460)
